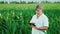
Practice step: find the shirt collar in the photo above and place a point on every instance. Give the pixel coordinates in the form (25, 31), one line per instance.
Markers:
(40, 15)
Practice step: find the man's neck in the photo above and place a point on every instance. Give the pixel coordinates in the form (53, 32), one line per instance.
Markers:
(38, 15)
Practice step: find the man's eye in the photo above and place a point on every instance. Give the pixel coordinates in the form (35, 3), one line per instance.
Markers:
(37, 10)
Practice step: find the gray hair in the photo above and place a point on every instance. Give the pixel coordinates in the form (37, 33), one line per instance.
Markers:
(38, 7)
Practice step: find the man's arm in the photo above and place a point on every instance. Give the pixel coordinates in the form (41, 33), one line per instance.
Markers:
(45, 24)
(41, 28)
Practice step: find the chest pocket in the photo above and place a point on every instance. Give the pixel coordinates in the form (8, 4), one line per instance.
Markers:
(39, 23)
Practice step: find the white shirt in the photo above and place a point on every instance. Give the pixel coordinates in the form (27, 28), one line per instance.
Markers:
(40, 22)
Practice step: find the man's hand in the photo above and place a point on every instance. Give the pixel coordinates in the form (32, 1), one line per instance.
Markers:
(32, 26)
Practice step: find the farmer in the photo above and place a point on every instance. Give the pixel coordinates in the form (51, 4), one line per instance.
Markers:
(39, 22)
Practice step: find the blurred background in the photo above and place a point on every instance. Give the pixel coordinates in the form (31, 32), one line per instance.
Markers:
(15, 15)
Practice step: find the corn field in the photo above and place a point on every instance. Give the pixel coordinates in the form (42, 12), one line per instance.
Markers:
(15, 18)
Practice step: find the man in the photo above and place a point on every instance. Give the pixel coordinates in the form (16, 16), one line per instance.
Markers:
(39, 22)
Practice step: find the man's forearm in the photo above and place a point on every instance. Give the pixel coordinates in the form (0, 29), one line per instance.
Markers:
(42, 28)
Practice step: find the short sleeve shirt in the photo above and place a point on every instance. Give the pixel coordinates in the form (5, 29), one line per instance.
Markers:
(39, 22)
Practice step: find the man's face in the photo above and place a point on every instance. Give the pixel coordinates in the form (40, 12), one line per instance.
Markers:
(38, 11)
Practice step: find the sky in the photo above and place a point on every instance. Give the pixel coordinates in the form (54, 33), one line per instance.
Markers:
(33, 0)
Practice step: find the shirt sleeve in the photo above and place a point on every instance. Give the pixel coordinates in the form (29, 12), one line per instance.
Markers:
(45, 22)
(32, 20)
